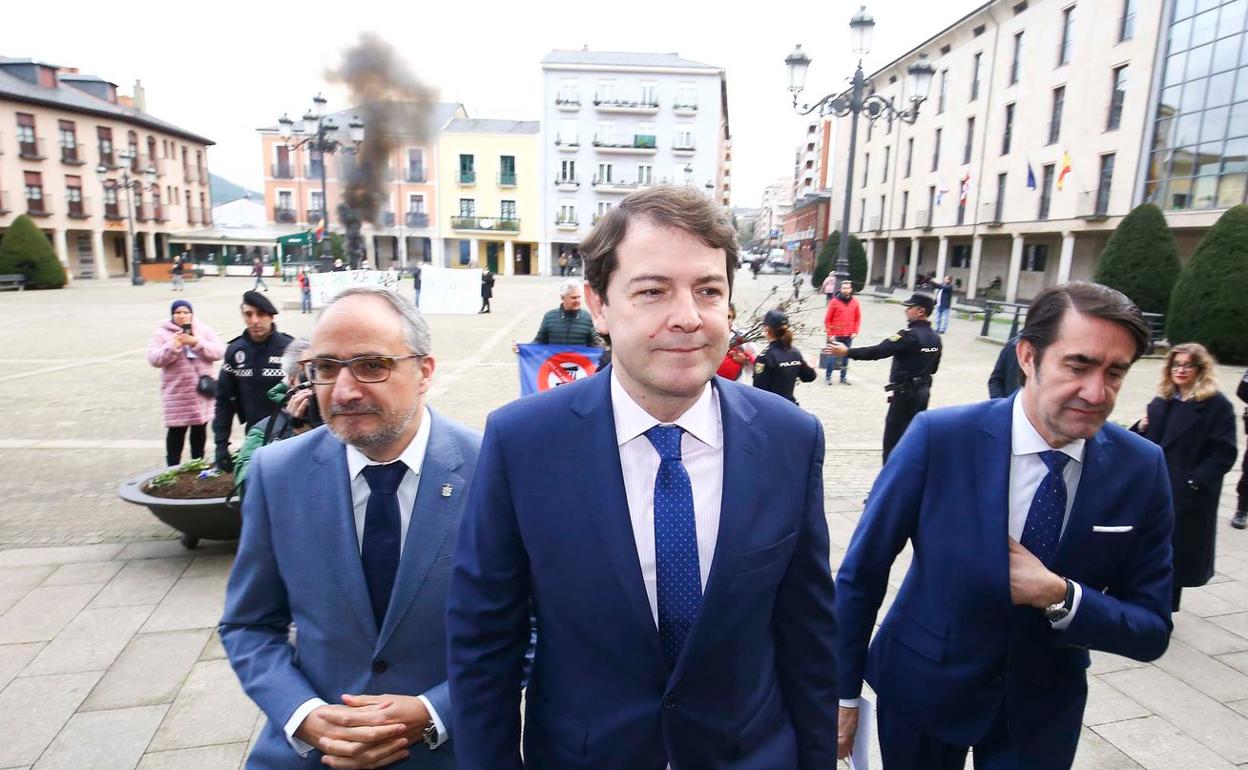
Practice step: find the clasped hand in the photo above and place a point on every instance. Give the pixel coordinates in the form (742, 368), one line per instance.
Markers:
(366, 731)
(1031, 583)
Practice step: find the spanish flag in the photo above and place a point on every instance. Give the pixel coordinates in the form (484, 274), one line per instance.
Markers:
(1061, 176)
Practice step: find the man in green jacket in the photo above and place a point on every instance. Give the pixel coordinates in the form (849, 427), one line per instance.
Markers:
(568, 324)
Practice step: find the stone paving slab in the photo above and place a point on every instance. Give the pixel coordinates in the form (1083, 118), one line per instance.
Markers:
(89, 572)
(91, 641)
(142, 582)
(150, 670)
(41, 614)
(227, 756)
(33, 709)
(106, 740)
(191, 603)
(211, 708)
(1155, 744)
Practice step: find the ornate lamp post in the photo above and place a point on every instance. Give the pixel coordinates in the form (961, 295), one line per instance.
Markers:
(149, 174)
(321, 134)
(854, 102)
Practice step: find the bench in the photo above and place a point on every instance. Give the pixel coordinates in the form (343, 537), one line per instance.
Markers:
(13, 281)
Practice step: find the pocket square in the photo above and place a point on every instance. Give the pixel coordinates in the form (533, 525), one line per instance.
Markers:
(1098, 528)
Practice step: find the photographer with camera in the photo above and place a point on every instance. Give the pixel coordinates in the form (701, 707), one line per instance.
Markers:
(298, 412)
(184, 350)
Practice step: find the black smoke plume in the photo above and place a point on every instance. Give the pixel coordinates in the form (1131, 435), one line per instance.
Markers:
(395, 107)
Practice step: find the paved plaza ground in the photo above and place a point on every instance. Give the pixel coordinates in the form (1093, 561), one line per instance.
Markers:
(108, 657)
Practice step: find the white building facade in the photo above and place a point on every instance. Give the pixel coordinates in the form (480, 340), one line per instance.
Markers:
(1034, 140)
(613, 123)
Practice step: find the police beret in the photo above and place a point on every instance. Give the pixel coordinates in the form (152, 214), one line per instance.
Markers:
(259, 302)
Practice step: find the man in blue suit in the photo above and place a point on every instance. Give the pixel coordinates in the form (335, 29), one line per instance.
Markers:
(1038, 533)
(667, 530)
(347, 533)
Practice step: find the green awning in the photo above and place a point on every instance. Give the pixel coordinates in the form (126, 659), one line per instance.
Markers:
(297, 239)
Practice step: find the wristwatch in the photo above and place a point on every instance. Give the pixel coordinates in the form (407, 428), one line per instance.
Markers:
(430, 734)
(1059, 611)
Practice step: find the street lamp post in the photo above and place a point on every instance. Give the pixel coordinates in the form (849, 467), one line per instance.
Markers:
(322, 135)
(129, 185)
(854, 102)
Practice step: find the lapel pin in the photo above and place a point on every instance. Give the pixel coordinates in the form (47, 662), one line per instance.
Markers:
(446, 490)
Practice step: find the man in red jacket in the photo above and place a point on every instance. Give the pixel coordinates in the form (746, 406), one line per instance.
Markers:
(842, 323)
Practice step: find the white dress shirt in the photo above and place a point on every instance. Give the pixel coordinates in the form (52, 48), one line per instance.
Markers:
(414, 457)
(1027, 470)
(702, 453)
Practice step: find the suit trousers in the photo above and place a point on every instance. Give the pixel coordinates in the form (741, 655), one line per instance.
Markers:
(904, 746)
(902, 408)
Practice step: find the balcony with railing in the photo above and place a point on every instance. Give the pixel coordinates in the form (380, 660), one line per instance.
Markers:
(314, 216)
(415, 174)
(990, 213)
(467, 177)
(70, 155)
(30, 150)
(188, 175)
(386, 219)
(640, 144)
(566, 222)
(4, 202)
(160, 213)
(685, 109)
(281, 171)
(614, 186)
(489, 224)
(684, 146)
(566, 183)
(39, 207)
(201, 174)
(313, 170)
(284, 215)
(193, 215)
(568, 103)
(112, 210)
(569, 143)
(76, 207)
(154, 162)
(1093, 205)
(143, 212)
(507, 179)
(646, 106)
(924, 220)
(873, 223)
(417, 219)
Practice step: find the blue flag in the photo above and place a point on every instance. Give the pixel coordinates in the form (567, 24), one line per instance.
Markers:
(543, 367)
(1031, 177)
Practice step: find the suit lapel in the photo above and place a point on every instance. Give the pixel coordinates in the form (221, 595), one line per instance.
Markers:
(1097, 460)
(1180, 419)
(430, 525)
(601, 479)
(737, 509)
(332, 483)
(993, 451)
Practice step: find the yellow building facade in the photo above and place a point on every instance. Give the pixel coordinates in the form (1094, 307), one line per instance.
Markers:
(489, 195)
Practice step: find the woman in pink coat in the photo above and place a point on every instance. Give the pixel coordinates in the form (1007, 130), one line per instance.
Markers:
(184, 349)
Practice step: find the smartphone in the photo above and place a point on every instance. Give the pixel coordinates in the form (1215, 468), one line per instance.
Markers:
(186, 328)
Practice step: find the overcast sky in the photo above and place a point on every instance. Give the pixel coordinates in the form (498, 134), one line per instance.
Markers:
(222, 69)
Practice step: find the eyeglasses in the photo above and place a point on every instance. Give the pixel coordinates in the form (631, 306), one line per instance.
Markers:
(1184, 367)
(366, 369)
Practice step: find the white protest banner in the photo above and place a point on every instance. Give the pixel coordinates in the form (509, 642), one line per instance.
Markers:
(325, 286)
(450, 290)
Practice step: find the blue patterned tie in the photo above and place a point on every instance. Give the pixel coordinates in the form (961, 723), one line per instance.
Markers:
(382, 529)
(675, 543)
(1048, 509)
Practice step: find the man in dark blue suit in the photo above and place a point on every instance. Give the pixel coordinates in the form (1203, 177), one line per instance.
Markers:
(347, 533)
(666, 527)
(1038, 533)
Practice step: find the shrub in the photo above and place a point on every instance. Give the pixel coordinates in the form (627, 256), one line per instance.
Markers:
(825, 264)
(1140, 259)
(1207, 305)
(25, 249)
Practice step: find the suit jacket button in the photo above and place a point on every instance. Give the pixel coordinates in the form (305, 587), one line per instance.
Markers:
(380, 666)
(668, 703)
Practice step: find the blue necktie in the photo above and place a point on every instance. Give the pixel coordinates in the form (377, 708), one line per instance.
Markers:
(675, 543)
(1048, 509)
(382, 529)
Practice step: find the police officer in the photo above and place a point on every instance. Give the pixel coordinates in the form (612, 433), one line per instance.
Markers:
(915, 351)
(252, 365)
(781, 365)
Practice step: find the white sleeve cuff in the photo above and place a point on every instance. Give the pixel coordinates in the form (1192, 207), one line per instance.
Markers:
(443, 737)
(1074, 607)
(296, 720)
(849, 703)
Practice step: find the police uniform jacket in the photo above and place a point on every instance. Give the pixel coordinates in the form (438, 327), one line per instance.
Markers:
(915, 351)
(248, 370)
(778, 369)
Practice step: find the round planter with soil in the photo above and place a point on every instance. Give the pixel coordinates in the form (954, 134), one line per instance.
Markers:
(200, 509)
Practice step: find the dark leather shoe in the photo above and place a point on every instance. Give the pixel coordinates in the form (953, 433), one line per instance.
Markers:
(1240, 520)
